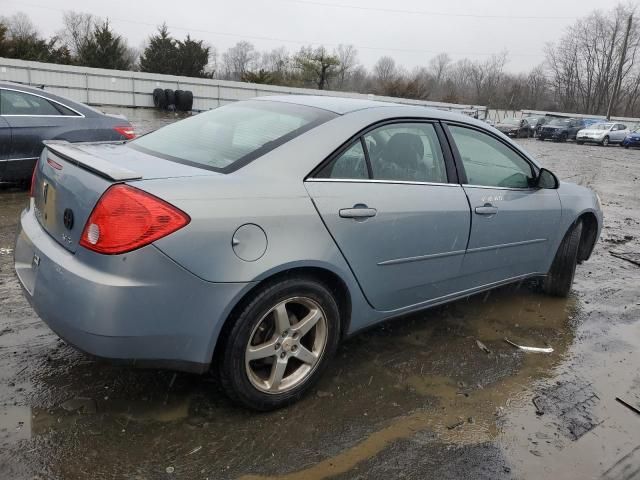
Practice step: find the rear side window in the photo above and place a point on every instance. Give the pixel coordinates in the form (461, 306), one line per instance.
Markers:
(489, 162)
(231, 136)
(406, 152)
(21, 103)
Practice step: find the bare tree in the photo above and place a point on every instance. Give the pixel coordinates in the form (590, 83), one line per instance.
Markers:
(239, 59)
(20, 27)
(348, 58)
(385, 70)
(78, 29)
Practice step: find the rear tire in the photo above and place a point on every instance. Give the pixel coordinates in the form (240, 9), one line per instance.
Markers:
(251, 381)
(559, 280)
(171, 97)
(185, 103)
(563, 137)
(161, 97)
(177, 97)
(157, 94)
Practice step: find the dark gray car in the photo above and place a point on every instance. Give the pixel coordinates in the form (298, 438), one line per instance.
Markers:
(30, 115)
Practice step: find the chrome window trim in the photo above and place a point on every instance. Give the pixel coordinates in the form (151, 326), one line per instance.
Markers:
(18, 159)
(367, 180)
(78, 114)
(489, 187)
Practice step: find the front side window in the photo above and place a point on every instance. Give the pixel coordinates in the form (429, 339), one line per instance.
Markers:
(21, 103)
(229, 137)
(406, 152)
(489, 162)
(352, 164)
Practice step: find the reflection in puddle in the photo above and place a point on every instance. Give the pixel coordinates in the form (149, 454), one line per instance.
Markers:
(423, 373)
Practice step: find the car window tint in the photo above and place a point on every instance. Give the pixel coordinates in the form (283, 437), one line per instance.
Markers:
(231, 136)
(20, 103)
(62, 110)
(351, 164)
(489, 162)
(406, 152)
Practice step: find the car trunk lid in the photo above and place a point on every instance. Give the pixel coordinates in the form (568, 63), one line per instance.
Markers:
(70, 178)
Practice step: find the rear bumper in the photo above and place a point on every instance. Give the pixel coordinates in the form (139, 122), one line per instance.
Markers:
(140, 307)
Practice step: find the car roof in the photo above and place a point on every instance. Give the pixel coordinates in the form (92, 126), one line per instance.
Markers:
(346, 105)
(80, 107)
(339, 105)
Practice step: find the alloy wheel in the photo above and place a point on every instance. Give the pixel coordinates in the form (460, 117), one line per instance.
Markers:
(286, 345)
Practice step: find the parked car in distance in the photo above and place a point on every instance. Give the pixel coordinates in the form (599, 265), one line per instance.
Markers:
(514, 127)
(30, 115)
(603, 133)
(252, 238)
(562, 129)
(632, 139)
(536, 123)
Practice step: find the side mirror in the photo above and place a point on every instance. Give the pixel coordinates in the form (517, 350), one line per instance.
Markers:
(546, 179)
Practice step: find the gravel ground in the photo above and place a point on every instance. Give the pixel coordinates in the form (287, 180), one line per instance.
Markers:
(413, 398)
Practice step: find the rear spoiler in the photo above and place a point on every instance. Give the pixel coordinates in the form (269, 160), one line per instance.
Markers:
(67, 151)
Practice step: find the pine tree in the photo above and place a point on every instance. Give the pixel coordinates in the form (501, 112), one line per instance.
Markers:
(105, 49)
(192, 58)
(161, 53)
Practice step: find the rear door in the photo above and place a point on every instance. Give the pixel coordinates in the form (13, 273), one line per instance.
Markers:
(5, 145)
(512, 223)
(391, 201)
(619, 131)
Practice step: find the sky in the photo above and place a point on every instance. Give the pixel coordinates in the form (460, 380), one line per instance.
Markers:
(410, 31)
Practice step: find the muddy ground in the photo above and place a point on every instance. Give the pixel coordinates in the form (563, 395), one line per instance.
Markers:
(413, 398)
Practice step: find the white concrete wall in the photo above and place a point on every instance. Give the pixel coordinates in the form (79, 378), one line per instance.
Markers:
(96, 86)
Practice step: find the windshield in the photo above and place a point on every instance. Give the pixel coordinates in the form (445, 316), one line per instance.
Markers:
(231, 136)
(560, 121)
(601, 126)
(511, 121)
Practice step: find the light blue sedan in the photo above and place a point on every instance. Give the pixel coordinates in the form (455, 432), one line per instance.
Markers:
(252, 238)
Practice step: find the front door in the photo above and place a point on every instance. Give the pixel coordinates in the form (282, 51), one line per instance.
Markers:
(402, 227)
(513, 224)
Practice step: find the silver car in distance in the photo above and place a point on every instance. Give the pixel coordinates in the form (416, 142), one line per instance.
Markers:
(252, 238)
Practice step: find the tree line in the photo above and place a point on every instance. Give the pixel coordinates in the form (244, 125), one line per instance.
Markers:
(579, 74)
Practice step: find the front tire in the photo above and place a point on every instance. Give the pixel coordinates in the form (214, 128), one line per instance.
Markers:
(559, 280)
(280, 343)
(605, 142)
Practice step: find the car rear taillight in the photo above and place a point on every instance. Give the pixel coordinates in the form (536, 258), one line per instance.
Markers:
(126, 218)
(126, 131)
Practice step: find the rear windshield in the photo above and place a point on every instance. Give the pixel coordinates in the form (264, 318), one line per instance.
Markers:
(231, 136)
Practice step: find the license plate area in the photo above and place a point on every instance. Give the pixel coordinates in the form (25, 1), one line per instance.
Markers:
(27, 262)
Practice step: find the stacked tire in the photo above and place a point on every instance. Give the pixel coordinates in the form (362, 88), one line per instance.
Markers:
(167, 99)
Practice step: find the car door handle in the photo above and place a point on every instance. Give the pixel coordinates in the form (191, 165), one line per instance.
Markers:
(358, 211)
(487, 209)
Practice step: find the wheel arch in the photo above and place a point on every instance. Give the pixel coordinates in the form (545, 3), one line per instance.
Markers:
(332, 280)
(589, 236)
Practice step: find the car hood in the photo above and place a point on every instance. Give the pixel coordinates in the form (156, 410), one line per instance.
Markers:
(507, 126)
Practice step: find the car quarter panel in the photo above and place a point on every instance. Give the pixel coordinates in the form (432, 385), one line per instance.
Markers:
(140, 305)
